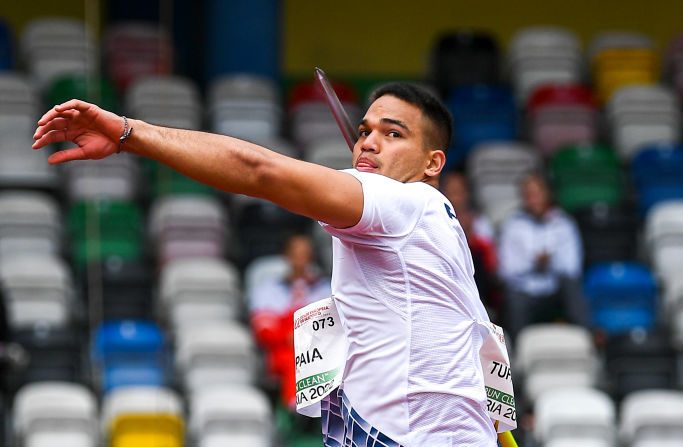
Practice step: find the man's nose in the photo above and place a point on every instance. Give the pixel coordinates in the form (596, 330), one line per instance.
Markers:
(370, 143)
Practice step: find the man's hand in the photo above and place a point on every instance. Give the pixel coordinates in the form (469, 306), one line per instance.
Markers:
(95, 131)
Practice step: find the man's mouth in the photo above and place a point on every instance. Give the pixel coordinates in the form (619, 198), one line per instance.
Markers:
(365, 164)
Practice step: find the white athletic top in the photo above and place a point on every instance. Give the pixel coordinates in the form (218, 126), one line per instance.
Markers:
(403, 283)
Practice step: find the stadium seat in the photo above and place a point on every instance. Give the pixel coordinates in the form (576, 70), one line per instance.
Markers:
(664, 237)
(657, 173)
(245, 106)
(673, 63)
(234, 415)
(332, 153)
(584, 175)
(481, 113)
(263, 269)
(197, 291)
(165, 100)
(607, 233)
(91, 89)
(639, 360)
(619, 59)
(464, 57)
(54, 354)
(135, 50)
(38, 290)
(219, 353)
(125, 287)
(143, 416)
(561, 114)
(111, 179)
(543, 55)
(105, 229)
(129, 353)
(622, 296)
(580, 415)
(555, 356)
(310, 117)
(263, 228)
(242, 37)
(29, 222)
(56, 414)
(188, 226)
(18, 101)
(52, 47)
(654, 417)
(640, 115)
(673, 308)
(494, 171)
(21, 167)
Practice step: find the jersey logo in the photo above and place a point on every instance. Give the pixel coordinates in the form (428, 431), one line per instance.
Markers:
(449, 211)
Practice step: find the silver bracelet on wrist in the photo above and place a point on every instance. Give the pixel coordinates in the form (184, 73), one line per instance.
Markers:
(127, 131)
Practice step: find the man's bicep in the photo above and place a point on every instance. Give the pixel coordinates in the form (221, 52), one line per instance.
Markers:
(323, 194)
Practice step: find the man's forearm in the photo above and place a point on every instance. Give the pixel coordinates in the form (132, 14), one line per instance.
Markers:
(237, 166)
(223, 162)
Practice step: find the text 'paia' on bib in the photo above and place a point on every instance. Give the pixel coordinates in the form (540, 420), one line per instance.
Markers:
(320, 350)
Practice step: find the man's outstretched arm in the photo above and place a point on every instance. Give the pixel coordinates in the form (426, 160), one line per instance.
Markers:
(226, 163)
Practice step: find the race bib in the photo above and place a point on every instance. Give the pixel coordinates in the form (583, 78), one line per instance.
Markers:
(320, 350)
(500, 397)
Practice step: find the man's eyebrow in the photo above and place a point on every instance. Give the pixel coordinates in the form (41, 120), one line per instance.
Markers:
(393, 121)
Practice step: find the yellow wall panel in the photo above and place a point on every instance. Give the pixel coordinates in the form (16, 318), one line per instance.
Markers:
(366, 37)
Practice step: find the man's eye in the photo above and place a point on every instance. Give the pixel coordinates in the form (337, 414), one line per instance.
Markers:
(394, 134)
(363, 133)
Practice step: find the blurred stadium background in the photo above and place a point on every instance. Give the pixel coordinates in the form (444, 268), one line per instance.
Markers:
(126, 287)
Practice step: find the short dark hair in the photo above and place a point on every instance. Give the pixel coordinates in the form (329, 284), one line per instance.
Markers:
(430, 106)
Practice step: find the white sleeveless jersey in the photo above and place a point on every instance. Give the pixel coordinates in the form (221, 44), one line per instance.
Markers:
(404, 288)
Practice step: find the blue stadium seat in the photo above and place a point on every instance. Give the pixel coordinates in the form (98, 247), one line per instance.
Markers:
(242, 37)
(130, 352)
(133, 375)
(622, 296)
(657, 172)
(480, 113)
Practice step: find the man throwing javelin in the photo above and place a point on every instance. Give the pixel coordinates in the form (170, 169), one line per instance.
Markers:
(402, 274)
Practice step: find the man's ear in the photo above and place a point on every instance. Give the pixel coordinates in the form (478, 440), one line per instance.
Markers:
(435, 163)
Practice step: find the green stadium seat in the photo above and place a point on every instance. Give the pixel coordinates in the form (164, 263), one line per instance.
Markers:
(94, 90)
(102, 230)
(586, 174)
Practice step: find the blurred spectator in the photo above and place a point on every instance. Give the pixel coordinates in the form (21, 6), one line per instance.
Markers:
(480, 239)
(272, 308)
(485, 262)
(540, 261)
(454, 186)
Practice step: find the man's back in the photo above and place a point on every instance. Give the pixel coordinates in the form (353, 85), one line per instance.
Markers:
(404, 288)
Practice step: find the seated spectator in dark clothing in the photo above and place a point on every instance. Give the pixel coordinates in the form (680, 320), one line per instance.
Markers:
(485, 263)
(480, 239)
(454, 186)
(540, 261)
(272, 307)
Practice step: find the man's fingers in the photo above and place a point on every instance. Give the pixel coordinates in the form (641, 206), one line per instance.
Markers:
(74, 153)
(54, 124)
(76, 104)
(53, 136)
(67, 109)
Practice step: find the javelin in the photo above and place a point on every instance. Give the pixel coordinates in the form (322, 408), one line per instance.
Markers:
(340, 115)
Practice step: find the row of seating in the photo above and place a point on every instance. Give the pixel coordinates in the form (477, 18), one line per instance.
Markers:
(573, 389)
(60, 414)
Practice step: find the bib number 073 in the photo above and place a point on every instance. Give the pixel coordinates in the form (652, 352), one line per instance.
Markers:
(322, 323)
